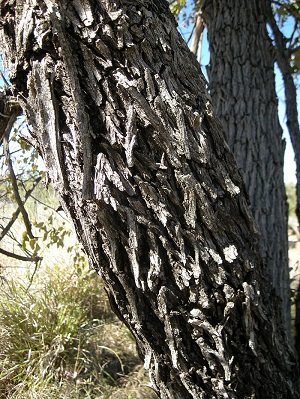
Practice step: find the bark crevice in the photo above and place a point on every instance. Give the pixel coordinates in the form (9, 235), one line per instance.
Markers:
(168, 225)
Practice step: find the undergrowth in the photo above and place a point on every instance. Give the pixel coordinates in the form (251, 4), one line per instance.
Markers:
(60, 340)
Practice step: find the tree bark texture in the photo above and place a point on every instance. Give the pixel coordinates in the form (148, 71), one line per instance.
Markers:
(10, 109)
(242, 86)
(124, 123)
(283, 56)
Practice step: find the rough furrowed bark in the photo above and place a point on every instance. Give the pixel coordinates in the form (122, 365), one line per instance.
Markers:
(125, 126)
(242, 84)
(283, 56)
(10, 109)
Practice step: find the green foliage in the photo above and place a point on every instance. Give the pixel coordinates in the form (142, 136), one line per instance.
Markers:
(295, 61)
(287, 8)
(48, 227)
(59, 335)
(51, 235)
(185, 10)
(21, 173)
(288, 11)
(176, 6)
(26, 158)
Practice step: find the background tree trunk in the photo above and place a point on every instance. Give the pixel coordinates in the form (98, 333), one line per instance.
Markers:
(124, 123)
(283, 56)
(242, 85)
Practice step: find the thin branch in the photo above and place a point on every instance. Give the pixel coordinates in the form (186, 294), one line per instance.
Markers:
(13, 238)
(4, 116)
(17, 212)
(192, 32)
(33, 275)
(278, 3)
(198, 32)
(4, 79)
(20, 257)
(292, 35)
(13, 176)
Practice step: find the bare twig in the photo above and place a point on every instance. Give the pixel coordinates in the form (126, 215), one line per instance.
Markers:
(17, 212)
(292, 35)
(13, 176)
(4, 116)
(33, 274)
(20, 257)
(4, 79)
(198, 33)
(192, 32)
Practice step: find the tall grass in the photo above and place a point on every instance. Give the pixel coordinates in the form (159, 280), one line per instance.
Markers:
(60, 340)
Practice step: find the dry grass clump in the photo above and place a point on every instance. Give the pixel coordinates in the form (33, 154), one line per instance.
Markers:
(59, 340)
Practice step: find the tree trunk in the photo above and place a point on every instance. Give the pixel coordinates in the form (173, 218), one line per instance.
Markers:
(283, 56)
(242, 86)
(125, 125)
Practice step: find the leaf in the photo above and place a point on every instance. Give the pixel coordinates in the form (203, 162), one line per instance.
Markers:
(282, 11)
(40, 225)
(177, 6)
(32, 243)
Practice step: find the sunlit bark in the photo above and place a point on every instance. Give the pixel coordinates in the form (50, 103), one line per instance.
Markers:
(126, 128)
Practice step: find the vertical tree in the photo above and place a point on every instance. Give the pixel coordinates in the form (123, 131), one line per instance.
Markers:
(242, 85)
(122, 118)
(287, 52)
